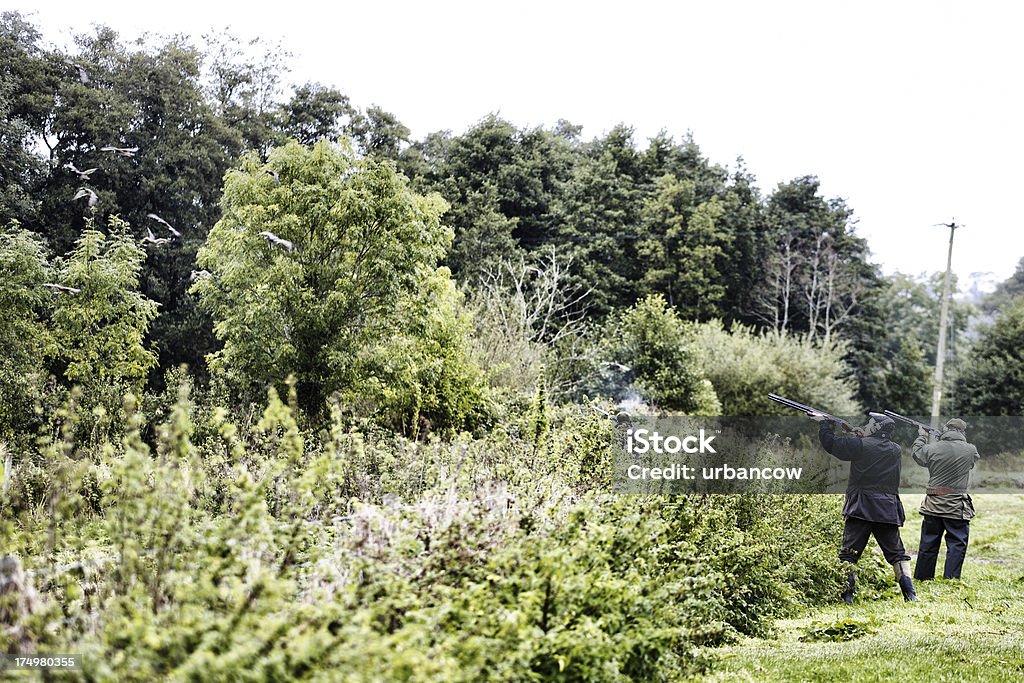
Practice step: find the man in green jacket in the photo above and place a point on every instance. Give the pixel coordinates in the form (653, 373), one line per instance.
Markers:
(947, 506)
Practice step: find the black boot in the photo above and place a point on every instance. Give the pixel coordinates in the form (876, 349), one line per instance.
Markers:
(851, 584)
(902, 570)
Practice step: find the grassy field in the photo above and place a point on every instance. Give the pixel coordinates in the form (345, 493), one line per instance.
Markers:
(968, 630)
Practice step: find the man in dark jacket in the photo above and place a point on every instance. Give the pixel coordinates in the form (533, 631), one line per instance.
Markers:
(873, 506)
(947, 506)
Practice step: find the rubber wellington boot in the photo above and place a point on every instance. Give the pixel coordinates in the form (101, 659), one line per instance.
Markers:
(902, 570)
(851, 584)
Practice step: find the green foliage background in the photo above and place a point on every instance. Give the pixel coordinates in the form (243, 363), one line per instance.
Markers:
(298, 396)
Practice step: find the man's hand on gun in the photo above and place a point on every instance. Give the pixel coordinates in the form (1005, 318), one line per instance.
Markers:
(922, 428)
(821, 417)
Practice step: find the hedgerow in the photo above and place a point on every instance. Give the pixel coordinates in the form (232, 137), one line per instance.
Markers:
(215, 551)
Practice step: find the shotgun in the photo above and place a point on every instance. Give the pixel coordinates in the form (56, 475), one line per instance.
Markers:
(911, 421)
(808, 410)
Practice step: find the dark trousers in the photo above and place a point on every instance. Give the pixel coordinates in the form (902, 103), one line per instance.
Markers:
(957, 532)
(857, 532)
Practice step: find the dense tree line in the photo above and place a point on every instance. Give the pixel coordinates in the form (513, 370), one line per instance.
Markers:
(182, 117)
(148, 133)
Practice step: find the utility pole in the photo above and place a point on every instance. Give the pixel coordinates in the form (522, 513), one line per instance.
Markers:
(940, 352)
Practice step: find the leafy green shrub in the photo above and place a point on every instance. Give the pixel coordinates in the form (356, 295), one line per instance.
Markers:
(591, 599)
(27, 486)
(582, 448)
(770, 560)
(423, 378)
(649, 350)
(745, 366)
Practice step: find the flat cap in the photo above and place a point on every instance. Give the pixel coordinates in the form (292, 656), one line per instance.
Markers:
(957, 424)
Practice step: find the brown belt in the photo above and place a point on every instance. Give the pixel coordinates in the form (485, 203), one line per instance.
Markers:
(943, 491)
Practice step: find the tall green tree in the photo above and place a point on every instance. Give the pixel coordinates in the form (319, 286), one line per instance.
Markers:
(684, 160)
(679, 248)
(1006, 290)
(743, 220)
(149, 101)
(182, 113)
(244, 85)
(100, 321)
(816, 271)
(503, 184)
(892, 341)
(906, 380)
(378, 133)
(316, 113)
(912, 308)
(320, 259)
(598, 219)
(991, 381)
(23, 336)
(23, 106)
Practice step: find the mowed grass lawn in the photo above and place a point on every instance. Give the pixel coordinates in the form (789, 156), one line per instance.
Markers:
(968, 630)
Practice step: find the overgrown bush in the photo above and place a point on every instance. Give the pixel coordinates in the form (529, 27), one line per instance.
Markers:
(528, 317)
(648, 351)
(745, 366)
(266, 552)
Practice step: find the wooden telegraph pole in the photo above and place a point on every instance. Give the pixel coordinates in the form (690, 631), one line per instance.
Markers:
(940, 352)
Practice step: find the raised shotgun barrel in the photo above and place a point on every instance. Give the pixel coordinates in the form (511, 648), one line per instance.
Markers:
(911, 421)
(808, 409)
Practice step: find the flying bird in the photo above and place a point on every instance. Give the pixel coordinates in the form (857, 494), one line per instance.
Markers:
(164, 223)
(123, 151)
(86, 192)
(153, 239)
(82, 175)
(62, 288)
(272, 172)
(277, 240)
(618, 366)
(82, 73)
(199, 274)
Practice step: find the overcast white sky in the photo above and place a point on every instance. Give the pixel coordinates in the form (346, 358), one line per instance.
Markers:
(911, 111)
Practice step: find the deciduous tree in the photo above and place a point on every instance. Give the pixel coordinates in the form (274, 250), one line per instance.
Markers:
(324, 266)
(23, 337)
